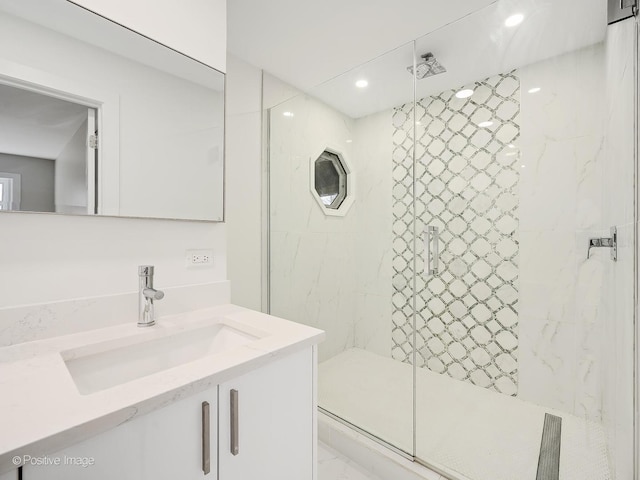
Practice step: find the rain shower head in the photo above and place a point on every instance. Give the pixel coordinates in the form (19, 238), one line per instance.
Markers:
(428, 67)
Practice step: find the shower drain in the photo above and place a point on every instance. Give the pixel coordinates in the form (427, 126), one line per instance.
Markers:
(549, 460)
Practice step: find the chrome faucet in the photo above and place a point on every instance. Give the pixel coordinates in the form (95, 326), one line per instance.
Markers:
(146, 295)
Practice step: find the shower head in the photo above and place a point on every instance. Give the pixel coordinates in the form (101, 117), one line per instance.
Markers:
(428, 67)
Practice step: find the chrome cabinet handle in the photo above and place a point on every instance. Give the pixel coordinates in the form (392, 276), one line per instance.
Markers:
(206, 438)
(235, 447)
(431, 259)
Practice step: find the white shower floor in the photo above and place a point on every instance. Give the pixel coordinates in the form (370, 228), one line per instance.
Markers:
(477, 433)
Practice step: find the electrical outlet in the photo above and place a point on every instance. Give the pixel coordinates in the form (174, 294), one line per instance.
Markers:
(199, 258)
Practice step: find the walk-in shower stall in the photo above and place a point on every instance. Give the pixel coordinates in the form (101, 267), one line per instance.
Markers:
(459, 215)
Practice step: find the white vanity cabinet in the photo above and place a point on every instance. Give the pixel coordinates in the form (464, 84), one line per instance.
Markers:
(12, 475)
(165, 444)
(268, 418)
(273, 422)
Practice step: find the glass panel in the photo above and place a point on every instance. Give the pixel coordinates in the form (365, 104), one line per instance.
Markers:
(340, 270)
(461, 304)
(518, 144)
(176, 121)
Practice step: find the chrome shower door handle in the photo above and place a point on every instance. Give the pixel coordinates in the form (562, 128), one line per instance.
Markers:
(431, 256)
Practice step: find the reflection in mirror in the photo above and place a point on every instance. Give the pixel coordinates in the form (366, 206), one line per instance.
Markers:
(96, 119)
(47, 162)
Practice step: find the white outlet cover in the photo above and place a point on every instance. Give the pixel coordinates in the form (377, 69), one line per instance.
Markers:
(199, 258)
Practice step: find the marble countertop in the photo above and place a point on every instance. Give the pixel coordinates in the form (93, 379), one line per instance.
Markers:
(42, 411)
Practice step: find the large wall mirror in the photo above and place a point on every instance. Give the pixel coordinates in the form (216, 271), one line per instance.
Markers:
(96, 119)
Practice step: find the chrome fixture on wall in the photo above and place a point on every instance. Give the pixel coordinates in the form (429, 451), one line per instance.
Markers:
(607, 242)
(428, 67)
(621, 10)
(146, 295)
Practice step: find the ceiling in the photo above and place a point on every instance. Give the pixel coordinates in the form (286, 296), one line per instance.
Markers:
(306, 42)
(468, 37)
(35, 125)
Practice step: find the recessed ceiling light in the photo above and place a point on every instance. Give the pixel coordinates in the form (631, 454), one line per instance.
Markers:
(534, 90)
(349, 141)
(486, 124)
(288, 114)
(361, 83)
(466, 93)
(514, 20)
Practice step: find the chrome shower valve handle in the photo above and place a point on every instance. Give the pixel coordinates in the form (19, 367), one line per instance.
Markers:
(605, 242)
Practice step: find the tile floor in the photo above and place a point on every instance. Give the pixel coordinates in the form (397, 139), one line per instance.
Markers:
(473, 431)
(333, 466)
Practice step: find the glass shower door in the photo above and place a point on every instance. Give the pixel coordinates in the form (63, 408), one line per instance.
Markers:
(437, 228)
(524, 153)
(339, 259)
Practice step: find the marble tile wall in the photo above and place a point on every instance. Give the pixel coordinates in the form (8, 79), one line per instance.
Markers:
(374, 219)
(561, 190)
(466, 185)
(313, 261)
(332, 272)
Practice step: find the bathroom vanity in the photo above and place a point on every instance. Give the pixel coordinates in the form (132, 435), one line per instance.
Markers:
(223, 392)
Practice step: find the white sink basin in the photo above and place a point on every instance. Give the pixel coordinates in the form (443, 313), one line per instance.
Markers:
(101, 366)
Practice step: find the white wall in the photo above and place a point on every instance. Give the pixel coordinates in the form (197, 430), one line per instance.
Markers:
(71, 174)
(47, 258)
(197, 28)
(243, 202)
(51, 257)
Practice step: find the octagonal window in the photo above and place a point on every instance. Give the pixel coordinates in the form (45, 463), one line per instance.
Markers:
(330, 179)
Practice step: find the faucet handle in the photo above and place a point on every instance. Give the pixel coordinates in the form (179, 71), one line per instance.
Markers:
(145, 270)
(153, 293)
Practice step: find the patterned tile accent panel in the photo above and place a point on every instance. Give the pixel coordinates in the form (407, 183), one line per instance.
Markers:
(466, 185)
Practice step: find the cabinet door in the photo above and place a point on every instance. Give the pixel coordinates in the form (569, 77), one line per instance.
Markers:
(274, 422)
(12, 475)
(165, 444)
(172, 440)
